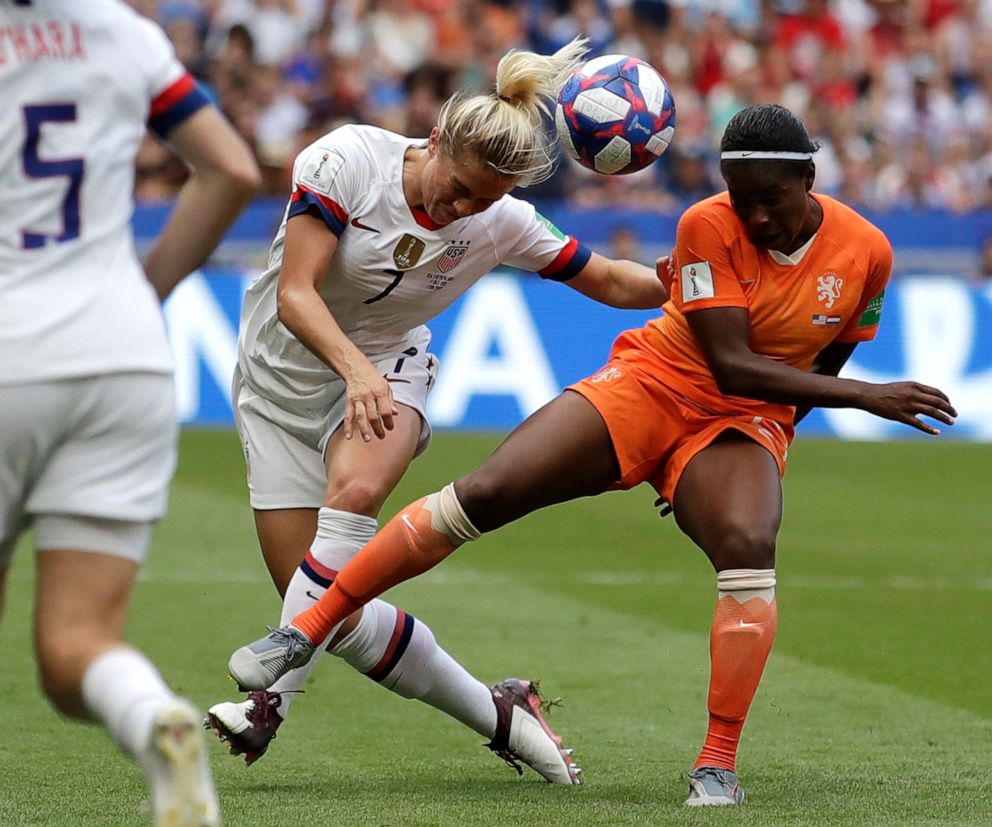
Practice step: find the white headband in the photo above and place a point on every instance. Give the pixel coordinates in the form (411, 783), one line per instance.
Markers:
(764, 155)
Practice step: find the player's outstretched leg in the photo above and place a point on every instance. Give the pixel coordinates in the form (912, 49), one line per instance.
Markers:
(399, 652)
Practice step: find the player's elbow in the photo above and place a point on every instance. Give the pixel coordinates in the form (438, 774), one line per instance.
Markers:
(288, 301)
(243, 177)
(235, 173)
(730, 379)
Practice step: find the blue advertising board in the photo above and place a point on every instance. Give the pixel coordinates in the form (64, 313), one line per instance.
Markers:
(513, 341)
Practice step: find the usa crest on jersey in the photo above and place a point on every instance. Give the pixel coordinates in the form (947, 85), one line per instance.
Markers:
(451, 257)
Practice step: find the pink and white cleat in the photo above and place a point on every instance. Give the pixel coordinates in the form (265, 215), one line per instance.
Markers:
(522, 734)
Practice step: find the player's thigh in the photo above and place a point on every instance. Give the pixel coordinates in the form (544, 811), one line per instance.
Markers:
(728, 500)
(361, 475)
(285, 536)
(81, 605)
(560, 452)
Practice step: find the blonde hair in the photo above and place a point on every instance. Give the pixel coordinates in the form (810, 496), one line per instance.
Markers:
(504, 128)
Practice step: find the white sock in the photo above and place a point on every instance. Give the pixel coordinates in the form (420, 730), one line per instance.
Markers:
(123, 690)
(340, 536)
(398, 651)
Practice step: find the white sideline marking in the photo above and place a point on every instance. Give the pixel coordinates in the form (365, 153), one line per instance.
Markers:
(614, 578)
(595, 578)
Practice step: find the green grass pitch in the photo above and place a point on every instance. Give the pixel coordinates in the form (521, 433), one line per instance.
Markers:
(874, 710)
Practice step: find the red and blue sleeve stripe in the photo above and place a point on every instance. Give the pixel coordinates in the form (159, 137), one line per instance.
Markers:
(568, 263)
(306, 200)
(175, 105)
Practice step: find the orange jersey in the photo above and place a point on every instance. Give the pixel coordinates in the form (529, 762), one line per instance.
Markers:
(832, 293)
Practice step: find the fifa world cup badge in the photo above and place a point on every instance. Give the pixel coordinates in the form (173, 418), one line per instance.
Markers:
(407, 253)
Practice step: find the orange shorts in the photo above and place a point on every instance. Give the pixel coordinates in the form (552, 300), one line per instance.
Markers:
(656, 431)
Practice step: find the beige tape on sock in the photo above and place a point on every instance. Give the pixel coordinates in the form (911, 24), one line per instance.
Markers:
(448, 516)
(744, 584)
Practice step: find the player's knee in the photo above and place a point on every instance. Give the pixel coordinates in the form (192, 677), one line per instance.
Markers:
(358, 496)
(743, 547)
(348, 625)
(485, 495)
(60, 670)
(65, 651)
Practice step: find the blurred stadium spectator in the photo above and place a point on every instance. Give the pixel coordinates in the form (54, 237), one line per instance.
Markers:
(898, 92)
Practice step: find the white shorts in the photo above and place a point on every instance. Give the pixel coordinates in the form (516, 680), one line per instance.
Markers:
(88, 461)
(284, 449)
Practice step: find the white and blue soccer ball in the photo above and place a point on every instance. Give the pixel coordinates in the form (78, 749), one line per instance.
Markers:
(615, 115)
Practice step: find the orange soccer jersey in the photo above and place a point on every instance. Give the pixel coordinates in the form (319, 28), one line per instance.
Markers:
(657, 395)
(830, 291)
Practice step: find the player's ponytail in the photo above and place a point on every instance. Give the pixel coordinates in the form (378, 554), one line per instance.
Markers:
(504, 128)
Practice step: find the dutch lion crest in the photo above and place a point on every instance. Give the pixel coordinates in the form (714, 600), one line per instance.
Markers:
(828, 289)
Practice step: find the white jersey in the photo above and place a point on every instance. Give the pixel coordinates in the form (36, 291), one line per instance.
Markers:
(393, 270)
(79, 82)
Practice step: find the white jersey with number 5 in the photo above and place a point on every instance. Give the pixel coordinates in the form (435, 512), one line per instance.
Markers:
(393, 270)
(79, 83)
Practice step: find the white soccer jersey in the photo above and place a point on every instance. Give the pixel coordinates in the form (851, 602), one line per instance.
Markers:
(79, 81)
(394, 268)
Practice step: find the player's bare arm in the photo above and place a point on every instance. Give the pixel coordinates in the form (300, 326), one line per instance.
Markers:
(722, 333)
(308, 250)
(223, 179)
(828, 362)
(620, 283)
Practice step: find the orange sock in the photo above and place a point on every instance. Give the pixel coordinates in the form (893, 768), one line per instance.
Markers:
(405, 547)
(740, 639)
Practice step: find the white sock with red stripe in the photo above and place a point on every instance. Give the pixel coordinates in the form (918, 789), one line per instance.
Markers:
(340, 536)
(398, 651)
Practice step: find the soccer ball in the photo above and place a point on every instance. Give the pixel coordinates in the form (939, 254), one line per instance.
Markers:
(615, 115)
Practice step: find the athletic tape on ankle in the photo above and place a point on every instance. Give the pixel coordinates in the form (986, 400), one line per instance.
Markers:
(738, 580)
(448, 516)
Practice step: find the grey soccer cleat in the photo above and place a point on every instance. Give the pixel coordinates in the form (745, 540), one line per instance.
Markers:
(249, 726)
(522, 734)
(260, 664)
(175, 765)
(714, 787)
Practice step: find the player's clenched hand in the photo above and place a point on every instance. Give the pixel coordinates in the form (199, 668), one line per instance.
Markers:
(369, 404)
(665, 268)
(906, 401)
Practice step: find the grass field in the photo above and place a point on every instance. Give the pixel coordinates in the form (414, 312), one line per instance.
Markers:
(874, 710)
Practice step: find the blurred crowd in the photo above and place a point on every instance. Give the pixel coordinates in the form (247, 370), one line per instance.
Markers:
(897, 92)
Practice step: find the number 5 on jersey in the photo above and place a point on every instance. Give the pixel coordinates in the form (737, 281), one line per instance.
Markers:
(37, 167)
